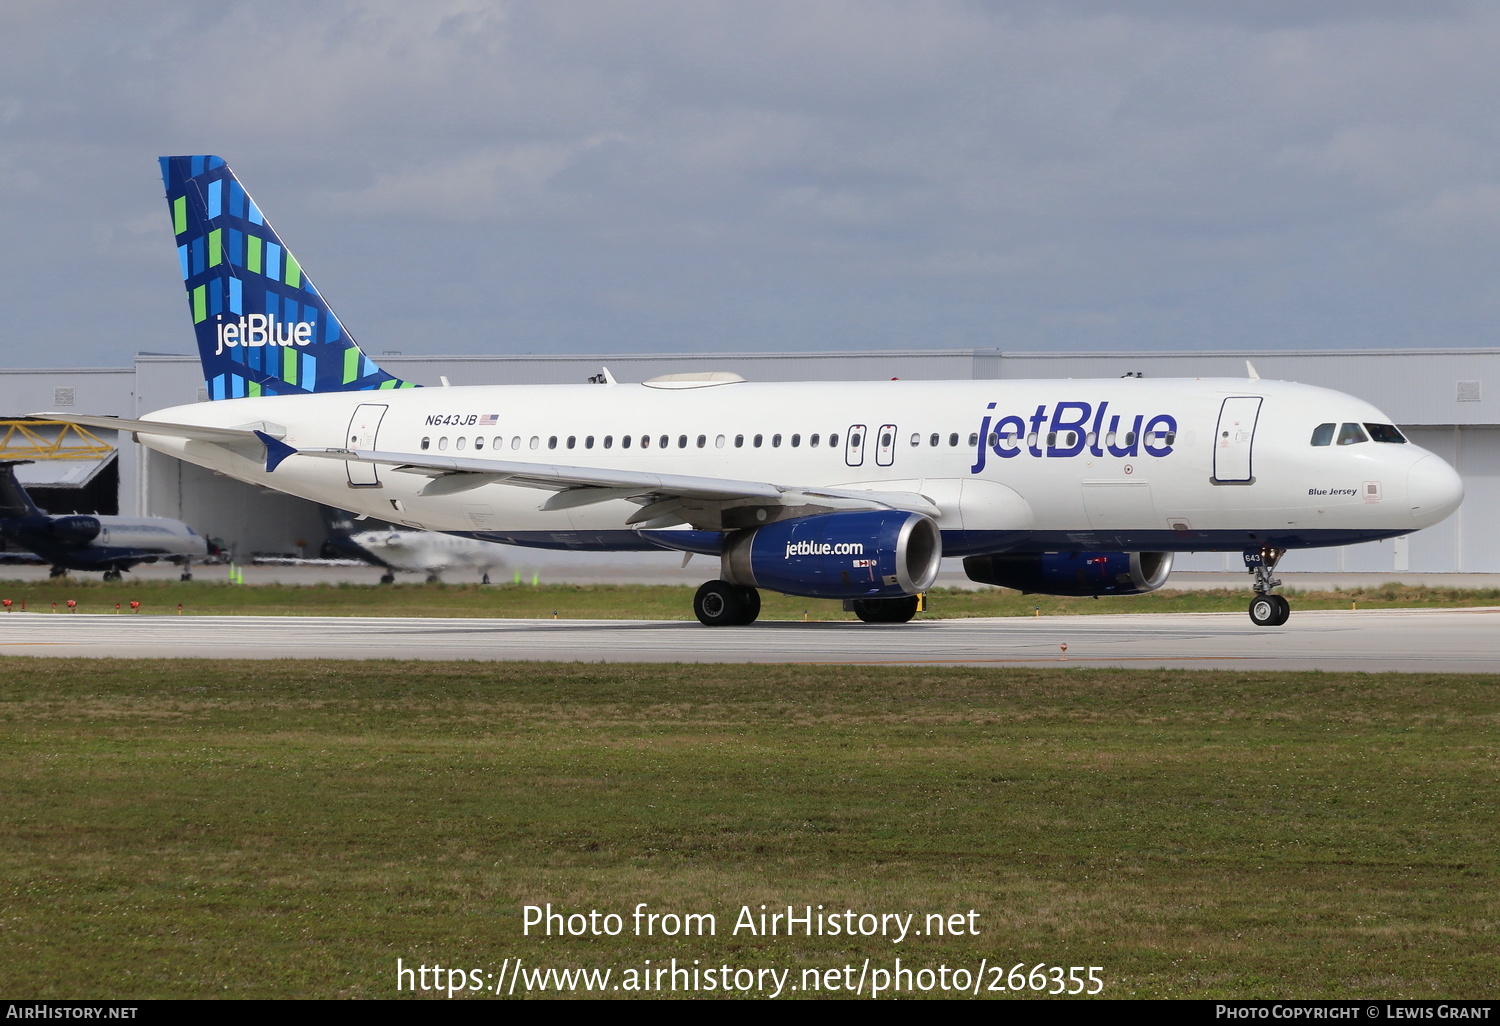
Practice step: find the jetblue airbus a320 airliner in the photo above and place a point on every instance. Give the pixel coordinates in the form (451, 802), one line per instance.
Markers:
(837, 490)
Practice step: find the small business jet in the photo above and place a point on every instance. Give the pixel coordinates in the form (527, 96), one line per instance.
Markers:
(849, 490)
(84, 541)
(418, 552)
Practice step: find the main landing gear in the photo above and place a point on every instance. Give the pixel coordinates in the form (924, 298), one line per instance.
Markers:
(113, 574)
(721, 604)
(1266, 610)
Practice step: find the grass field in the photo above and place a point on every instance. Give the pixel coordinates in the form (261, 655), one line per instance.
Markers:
(649, 602)
(187, 829)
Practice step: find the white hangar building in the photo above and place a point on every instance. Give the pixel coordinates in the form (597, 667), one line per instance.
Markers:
(1437, 397)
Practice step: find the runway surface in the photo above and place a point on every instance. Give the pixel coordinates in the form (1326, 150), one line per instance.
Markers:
(1426, 641)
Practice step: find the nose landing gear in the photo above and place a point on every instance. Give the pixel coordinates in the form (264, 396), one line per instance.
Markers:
(1266, 609)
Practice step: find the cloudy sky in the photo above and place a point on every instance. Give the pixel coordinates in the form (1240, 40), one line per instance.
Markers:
(462, 176)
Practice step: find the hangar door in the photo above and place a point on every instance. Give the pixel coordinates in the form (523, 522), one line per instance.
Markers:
(1234, 440)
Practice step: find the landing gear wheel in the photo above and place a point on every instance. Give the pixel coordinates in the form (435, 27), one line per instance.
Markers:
(387, 578)
(721, 604)
(58, 571)
(886, 610)
(1269, 610)
(1266, 609)
(751, 609)
(113, 575)
(187, 575)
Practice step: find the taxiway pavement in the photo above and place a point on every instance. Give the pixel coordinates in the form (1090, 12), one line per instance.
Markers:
(1425, 641)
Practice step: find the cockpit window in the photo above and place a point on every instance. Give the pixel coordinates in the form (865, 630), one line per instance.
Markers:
(1385, 433)
(1352, 434)
(1323, 434)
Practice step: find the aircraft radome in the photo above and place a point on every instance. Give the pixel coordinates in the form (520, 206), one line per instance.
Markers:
(836, 490)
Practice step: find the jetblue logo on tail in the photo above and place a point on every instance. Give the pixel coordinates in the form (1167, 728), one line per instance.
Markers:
(263, 330)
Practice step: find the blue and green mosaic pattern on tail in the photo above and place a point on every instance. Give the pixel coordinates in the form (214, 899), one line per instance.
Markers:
(262, 327)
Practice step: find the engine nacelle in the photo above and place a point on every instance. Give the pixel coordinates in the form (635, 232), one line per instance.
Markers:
(78, 529)
(1073, 573)
(855, 554)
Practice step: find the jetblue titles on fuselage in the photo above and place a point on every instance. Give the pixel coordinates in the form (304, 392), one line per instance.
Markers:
(1070, 428)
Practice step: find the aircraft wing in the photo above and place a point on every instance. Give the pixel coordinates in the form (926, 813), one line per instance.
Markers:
(666, 499)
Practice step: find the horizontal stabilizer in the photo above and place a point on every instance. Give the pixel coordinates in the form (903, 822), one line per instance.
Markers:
(158, 427)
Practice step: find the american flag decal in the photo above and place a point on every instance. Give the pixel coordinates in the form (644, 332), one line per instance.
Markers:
(488, 419)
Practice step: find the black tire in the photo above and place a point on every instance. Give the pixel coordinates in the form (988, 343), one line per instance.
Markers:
(387, 578)
(1265, 610)
(751, 610)
(186, 576)
(1285, 610)
(721, 604)
(886, 610)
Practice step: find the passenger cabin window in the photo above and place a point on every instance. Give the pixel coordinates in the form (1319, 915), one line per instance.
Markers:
(664, 441)
(645, 441)
(776, 441)
(552, 442)
(813, 441)
(624, 441)
(739, 441)
(1323, 434)
(682, 441)
(916, 439)
(1385, 433)
(934, 440)
(497, 443)
(588, 442)
(425, 443)
(833, 441)
(757, 440)
(479, 443)
(572, 441)
(953, 439)
(796, 441)
(609, 441)
(459, 443)
(1352, 434)
(443, 442)
(702, 441)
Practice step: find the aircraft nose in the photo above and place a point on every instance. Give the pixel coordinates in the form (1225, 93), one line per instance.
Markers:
(1435, 490)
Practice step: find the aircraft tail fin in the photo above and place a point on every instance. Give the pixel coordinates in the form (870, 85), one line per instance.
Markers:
(262, 328)
(14, 501)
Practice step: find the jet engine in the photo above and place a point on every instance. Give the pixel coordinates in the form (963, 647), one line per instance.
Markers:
(1073, 573)
(854, 555)
(74, 530)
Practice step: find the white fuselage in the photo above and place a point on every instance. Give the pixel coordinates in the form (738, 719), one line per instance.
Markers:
(1117, 463)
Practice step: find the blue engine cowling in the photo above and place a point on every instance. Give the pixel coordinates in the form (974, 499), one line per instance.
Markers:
(863, 554)
(1073, 573)
(74, 530)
